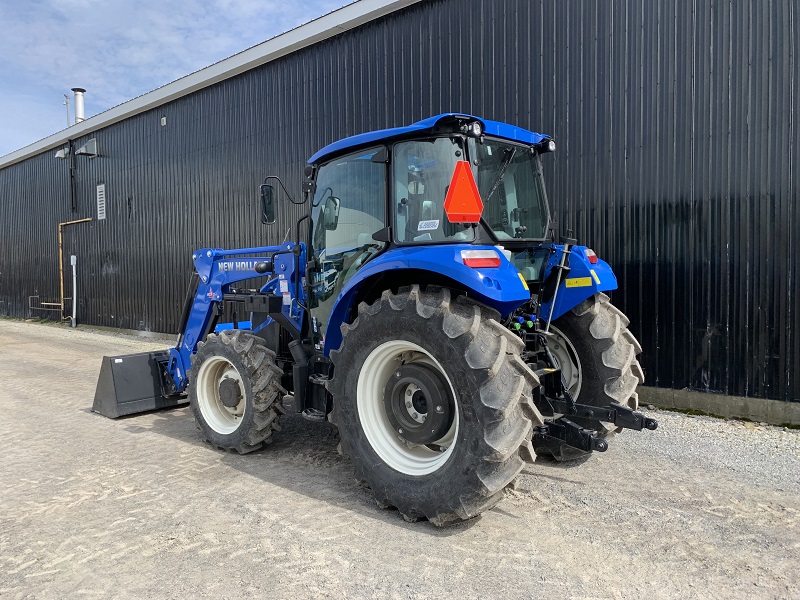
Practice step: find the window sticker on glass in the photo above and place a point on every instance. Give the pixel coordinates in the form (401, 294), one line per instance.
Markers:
(428, 225)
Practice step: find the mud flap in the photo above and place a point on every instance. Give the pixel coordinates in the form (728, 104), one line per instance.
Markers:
(134, 383)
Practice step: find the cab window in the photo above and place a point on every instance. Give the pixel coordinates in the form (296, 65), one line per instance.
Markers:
(421, 173)
(349, 206)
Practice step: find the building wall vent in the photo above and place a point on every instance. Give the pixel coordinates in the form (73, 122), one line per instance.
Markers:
(88, 149)
(101, 201)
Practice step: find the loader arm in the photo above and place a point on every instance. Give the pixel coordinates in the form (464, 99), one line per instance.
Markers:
(281, 297)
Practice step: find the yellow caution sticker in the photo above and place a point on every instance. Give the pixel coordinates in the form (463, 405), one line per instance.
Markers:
(522, 279)
(579, 282)
(596, 278)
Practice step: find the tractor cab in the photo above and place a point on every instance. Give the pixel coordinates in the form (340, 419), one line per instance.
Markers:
(448, 180)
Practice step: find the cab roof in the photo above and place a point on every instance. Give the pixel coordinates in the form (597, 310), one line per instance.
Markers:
(431, 125)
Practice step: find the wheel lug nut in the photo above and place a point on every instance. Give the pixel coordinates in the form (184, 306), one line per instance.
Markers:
(439, 409)
(415, 415)
(397, 374)
(400, 431)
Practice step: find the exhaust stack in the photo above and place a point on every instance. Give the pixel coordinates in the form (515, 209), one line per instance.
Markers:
(79, 115)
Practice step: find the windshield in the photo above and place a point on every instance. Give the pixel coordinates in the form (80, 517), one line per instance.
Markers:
(509, 179)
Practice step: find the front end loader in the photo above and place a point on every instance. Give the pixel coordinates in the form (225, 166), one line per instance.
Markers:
(424, 308)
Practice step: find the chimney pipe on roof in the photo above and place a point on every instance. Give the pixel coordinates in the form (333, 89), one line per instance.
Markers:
(79, 104)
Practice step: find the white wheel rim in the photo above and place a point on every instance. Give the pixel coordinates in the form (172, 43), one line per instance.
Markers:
(401, 456)
(567, 360)
(220, 418)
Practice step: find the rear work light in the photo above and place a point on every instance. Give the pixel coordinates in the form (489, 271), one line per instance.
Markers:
(591, 256)
(480, 258)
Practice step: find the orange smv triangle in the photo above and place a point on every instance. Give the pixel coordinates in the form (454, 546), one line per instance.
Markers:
(463, 202)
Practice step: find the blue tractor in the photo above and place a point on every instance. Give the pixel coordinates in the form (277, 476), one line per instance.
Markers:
(427, 311)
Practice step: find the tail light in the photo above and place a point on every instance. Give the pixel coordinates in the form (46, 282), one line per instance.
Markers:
(480, 258)
(591, 256)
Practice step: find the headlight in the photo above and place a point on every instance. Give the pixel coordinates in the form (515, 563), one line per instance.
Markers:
(474, 129)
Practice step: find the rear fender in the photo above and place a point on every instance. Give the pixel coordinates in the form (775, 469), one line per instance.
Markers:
(583, 282)
(501, 287)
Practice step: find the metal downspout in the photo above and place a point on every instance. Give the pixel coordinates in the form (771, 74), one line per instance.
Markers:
(72, 176)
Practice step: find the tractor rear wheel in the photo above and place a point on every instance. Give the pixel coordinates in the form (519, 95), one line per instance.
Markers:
(235, 391)
(433, 404)
(597, 356)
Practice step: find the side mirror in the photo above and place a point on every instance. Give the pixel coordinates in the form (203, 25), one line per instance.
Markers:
(331, 212)
(267, 204)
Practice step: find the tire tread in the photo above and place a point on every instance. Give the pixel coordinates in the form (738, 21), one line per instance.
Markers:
(503, 400)
(265, 383)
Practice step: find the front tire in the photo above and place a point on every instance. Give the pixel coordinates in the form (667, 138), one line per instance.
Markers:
(235, 391)
(433, 404)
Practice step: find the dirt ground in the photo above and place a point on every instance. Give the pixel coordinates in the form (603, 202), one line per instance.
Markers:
(140, 507)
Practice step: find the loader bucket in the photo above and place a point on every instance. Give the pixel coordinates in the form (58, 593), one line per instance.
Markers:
(134, 383)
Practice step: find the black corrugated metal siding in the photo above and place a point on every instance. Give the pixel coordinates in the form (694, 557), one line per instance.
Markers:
(676, 124)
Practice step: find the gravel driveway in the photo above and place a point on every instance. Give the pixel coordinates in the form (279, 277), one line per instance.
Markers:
(140, 507)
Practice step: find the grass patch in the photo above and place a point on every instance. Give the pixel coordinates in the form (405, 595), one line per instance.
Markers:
(789, 426)
(34, 320)
(692, 412)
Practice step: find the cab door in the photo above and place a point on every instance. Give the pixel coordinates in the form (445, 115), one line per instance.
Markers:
(349, 207)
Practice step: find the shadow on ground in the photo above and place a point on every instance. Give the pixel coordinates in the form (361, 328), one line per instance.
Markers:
(302, 458)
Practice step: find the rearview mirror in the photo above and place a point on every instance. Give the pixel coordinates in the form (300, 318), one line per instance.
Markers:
(267, 204)
(331, 212)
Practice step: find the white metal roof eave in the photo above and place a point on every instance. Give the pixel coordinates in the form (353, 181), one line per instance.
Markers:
(327, 26)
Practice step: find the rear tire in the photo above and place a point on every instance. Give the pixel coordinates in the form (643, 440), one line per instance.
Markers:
(598, 353)
(444, 372)
(235, 391)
